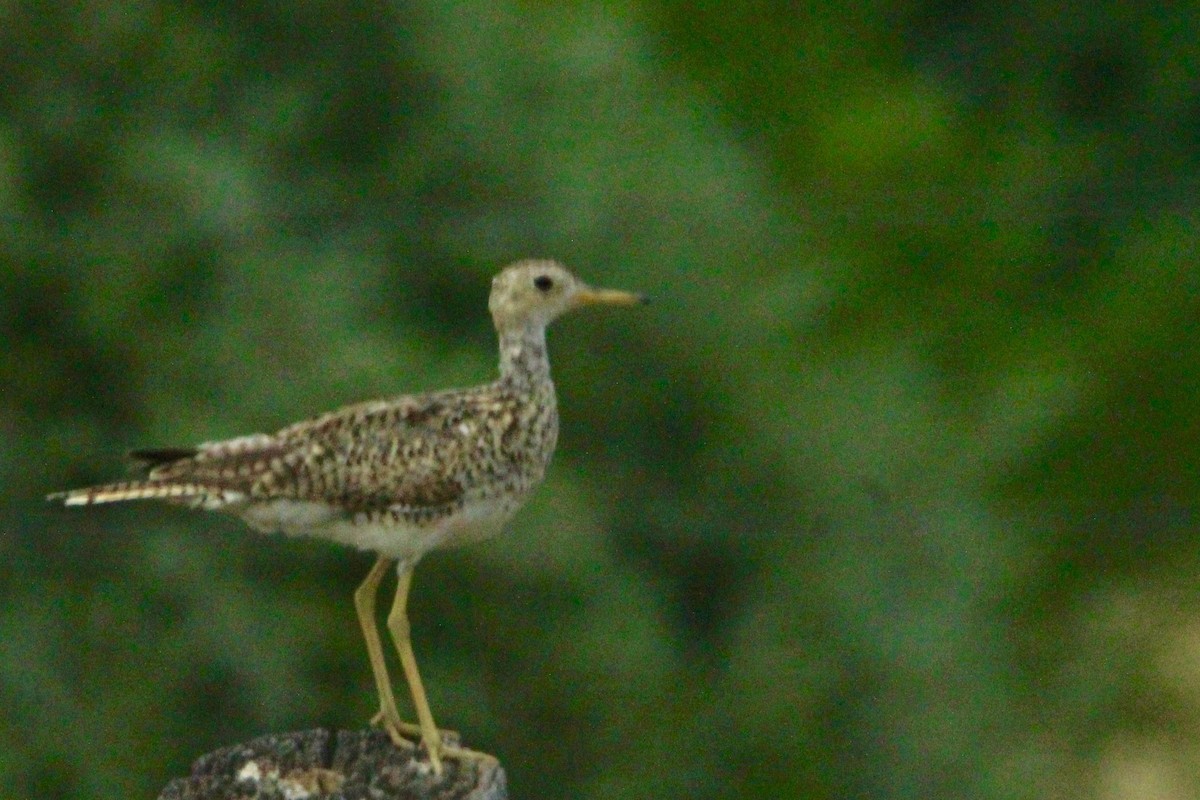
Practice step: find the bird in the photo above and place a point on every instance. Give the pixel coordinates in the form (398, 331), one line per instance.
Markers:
(399, 477)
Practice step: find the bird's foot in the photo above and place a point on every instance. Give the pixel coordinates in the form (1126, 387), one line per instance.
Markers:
(403, 734)
(463, 754)
(408, 736)
(454, 752)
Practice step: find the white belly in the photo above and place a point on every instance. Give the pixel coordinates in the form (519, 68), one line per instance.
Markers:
(393, 538)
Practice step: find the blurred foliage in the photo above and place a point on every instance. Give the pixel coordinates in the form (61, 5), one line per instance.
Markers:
(891, 494)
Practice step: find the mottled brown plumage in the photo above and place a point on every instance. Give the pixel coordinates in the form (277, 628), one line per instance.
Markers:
(406, 462)
(401, 476)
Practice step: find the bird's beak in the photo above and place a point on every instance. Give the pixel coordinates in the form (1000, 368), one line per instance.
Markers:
(589, 296)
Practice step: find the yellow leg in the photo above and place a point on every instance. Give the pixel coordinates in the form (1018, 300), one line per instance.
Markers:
(398, 624)
(364, 604)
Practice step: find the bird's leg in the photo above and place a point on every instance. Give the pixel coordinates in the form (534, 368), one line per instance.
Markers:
(397, 622)
(430, 735)
(364, 604)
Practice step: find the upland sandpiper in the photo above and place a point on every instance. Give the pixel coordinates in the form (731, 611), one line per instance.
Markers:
(399, 477)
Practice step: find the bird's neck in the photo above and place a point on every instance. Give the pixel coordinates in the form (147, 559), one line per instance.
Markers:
(523, 357)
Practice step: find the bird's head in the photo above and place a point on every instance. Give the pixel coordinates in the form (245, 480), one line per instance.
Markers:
(535, 292)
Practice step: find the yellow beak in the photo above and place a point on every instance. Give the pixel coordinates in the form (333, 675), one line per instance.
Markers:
(588, 296)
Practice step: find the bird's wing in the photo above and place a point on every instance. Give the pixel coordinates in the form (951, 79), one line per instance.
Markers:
(407, 451)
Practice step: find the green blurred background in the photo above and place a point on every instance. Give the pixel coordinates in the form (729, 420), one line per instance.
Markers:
(891, 493)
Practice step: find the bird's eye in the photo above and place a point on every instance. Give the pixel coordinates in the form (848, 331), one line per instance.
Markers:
(543, 283)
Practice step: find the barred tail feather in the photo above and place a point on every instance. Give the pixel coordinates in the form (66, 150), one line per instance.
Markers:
(188, 493)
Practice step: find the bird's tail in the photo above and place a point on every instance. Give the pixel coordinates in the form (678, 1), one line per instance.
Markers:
(190, 493)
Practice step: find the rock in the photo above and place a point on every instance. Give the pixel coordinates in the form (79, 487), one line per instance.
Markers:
(322, 765)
